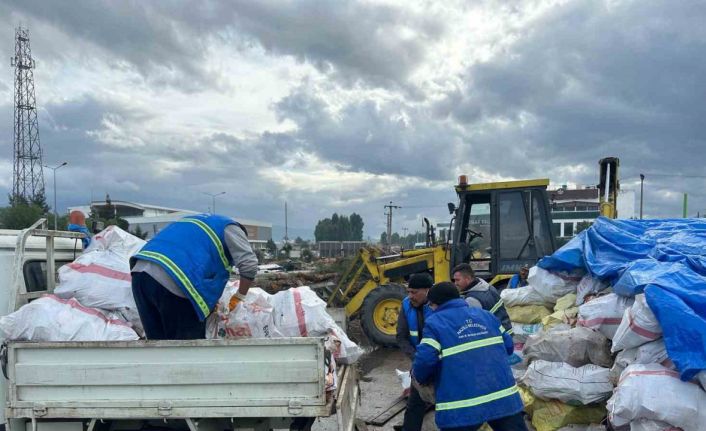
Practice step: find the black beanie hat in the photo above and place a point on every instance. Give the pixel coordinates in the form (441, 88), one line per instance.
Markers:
(420, 281)
(443, 292)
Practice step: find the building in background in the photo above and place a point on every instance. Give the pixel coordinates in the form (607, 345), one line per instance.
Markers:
(152, 218)
(574, 209)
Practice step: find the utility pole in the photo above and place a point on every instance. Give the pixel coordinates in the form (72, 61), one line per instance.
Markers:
(404, 232)
(286, 227)
(213, 200)
(642, 190)
(389, 209)
(684, 207)
(28, 177)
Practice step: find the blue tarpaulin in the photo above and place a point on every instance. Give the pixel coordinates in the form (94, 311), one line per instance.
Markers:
(665, 259)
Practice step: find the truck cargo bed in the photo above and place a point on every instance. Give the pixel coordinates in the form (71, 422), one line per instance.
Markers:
(168, 379)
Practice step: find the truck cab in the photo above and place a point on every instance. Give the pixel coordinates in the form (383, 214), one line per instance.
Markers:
(30, 269)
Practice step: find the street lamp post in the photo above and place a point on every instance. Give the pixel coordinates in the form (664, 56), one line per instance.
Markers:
(213, 198)
(56, 212)
(642, 189)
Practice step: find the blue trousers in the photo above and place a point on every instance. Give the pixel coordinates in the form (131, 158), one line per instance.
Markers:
(164, 315)
(514, 422)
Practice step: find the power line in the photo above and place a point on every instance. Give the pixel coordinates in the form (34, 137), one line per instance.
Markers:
(674, 175)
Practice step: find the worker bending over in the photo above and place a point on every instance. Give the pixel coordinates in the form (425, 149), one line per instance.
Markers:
(478, 293)
(464, 353)
(410, 326)
(180, 274)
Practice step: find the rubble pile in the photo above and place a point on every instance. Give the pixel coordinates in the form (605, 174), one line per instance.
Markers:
(627, 354)
(279, 281)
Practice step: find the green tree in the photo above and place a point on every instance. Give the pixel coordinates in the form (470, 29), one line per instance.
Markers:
(340, 228)
(271, 247)
(383, 238)
(138, 232)
(356, 227)
(286, 250)
(20, 216)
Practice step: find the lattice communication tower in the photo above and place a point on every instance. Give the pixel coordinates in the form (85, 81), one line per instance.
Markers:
(28, 177)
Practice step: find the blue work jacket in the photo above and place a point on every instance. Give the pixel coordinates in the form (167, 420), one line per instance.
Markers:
(464, 353)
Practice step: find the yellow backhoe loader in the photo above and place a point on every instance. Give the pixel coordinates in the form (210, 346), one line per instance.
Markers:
(496, 227)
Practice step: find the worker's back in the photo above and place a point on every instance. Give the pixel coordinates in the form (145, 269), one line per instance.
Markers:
(474, 383)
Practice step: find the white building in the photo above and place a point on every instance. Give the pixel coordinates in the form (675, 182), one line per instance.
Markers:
(153, 218)
(571, 207)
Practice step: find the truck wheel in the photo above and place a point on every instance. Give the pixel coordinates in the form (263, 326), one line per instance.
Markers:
(379, 314)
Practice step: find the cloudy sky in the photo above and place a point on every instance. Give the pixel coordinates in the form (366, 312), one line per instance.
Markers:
(344, 106)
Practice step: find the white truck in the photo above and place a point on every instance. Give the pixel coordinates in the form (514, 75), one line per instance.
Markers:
(204, 385)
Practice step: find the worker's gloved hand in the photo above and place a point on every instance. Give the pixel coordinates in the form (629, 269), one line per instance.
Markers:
(236, 299)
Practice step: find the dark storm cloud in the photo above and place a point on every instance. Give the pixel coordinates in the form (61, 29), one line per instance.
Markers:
(370, 136)
(169, 42)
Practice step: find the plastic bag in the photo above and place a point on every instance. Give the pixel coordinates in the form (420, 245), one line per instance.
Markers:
(528, 313)
(651, 391)
(649, 353)
(565, 302)
(567, 316)
(521, 331)
(252, 318)
(576, 386)
(639, 326)
(100, 277)
(576, 346)
(526, 295)
(604, 313)
(405, 379)
(299, 312)
(648, 425)
(51, 318)
(116, 240)
(552, 285)
(550, 415)
(527, 399)
(588, 286)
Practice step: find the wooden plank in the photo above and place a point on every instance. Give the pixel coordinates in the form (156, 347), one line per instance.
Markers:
(397, 405)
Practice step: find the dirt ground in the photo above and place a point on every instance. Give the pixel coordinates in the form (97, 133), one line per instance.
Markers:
(379, 385)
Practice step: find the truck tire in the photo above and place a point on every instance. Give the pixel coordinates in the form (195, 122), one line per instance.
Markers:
(379, 314)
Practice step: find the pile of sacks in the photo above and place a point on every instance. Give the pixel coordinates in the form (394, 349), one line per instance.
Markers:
(93, 300)
(295, 312)
(590, 356)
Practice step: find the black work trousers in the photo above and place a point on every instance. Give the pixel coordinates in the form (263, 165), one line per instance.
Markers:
(164, 315)
(416, 409)
(514, 422)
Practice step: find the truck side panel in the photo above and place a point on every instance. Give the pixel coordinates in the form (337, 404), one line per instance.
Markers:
(152, 379)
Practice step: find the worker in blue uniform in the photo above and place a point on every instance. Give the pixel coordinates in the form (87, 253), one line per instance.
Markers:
(410, 330)
(464, 353)
(519, 279)
(180, 274)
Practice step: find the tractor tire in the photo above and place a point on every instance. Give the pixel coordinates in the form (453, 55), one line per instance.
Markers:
(379, 314)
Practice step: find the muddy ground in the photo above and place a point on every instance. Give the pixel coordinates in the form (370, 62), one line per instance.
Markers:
(379, 385)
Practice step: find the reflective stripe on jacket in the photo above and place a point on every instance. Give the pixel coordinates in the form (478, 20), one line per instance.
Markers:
(464, 352)
(193, 252)
(411, 314)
